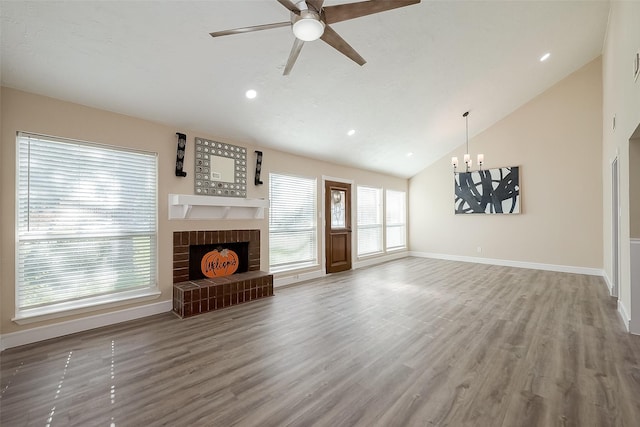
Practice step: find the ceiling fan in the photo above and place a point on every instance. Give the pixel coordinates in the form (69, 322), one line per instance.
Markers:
(310, 21)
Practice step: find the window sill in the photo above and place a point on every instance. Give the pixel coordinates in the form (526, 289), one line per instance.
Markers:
(371, 255)
(296, 267)
(40, 314)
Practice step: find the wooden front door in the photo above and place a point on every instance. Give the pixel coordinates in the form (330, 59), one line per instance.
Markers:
(337, 197)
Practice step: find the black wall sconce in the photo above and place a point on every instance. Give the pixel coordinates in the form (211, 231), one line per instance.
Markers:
(258, 167)
(182, 145)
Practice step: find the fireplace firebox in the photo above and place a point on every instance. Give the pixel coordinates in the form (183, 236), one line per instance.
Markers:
(195, 293)
(197, 252)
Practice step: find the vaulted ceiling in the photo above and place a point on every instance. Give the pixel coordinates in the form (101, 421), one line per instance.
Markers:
(426, 65)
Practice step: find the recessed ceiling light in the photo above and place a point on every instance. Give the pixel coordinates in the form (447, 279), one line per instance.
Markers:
(545, 57)
(351, 132)
(251, 94)
(409, 154)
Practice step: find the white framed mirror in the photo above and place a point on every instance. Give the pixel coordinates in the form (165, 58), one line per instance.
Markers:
(220, 169)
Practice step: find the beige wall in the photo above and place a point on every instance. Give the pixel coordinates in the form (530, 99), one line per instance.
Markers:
(556, 140)
(32, 113)
(621, 97)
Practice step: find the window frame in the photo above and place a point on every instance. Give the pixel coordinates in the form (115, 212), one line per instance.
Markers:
(402, 224)
(380, 225)
(93, 302)
(314, 229)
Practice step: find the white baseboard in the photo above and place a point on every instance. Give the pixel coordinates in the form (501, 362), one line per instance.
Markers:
(508, 263)
(622, 310)
(41, 333)
(279, 282)
(608, 282)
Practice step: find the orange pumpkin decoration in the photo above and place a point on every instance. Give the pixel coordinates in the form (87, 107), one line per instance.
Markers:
(218, 264)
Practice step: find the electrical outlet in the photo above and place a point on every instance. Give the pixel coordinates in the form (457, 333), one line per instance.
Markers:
(479, 249)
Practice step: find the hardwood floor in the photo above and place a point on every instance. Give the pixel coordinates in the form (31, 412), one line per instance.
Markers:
(414, 342)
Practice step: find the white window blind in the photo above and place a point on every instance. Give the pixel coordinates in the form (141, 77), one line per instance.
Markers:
(369, 220)
(396, 216)
(292, 222)
(86, 221)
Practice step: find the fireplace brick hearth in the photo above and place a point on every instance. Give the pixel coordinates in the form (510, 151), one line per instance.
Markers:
(191, 297)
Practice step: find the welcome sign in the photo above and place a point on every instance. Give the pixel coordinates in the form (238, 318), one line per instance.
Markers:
(219, 263)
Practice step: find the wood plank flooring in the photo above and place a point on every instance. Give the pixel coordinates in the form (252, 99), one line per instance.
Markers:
(414, 342)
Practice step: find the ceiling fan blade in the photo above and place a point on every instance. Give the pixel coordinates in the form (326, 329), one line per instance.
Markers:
(334, 40)
(250, 29)
(316, 4)
(290, 5)
(295, 51)
(342, 12)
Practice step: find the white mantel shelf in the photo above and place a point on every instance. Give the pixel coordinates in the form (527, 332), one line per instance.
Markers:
(189, 206)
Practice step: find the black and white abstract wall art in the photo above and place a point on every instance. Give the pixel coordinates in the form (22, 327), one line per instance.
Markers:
(491, 191)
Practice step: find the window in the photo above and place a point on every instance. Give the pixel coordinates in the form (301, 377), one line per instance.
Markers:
(369, 220)
(292, 222)
(396, 216)
(86, 224)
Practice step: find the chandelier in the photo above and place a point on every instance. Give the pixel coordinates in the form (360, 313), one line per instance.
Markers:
(467, 157)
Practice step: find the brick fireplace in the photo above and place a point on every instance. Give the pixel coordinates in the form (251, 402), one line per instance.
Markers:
(195, 295)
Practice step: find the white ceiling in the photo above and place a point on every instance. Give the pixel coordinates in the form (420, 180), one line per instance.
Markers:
(426, 65)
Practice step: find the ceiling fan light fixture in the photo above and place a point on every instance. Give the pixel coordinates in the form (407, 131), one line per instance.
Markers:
(309, 27)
